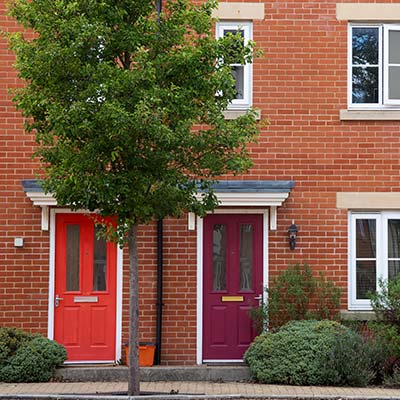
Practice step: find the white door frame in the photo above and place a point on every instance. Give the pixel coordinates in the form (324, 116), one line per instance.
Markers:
(52, 270)
(264, 212)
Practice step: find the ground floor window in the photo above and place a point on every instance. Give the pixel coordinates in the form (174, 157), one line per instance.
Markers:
(374, 254)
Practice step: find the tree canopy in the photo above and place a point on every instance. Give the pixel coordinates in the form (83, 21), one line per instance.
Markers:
(128, 106)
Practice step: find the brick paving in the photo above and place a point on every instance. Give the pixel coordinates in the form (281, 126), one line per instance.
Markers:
(246, 390)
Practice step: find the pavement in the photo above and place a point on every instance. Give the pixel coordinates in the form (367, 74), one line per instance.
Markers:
(186, 390)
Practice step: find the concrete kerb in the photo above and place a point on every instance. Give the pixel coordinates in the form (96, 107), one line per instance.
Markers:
(192, 397)
(155, 374)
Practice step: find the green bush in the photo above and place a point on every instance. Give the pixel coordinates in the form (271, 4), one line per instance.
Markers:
(386, 301)
(28, 358)
(311, 353)
(297, 294)
(10, 340)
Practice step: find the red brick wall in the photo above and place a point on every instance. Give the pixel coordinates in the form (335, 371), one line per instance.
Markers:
(300, 84)
(23, 271)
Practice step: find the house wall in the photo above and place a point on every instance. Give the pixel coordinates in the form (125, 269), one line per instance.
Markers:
(300, 85)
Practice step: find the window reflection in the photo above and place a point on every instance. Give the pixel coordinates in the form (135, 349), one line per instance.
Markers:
(99, 262)
(219, 257)
(365, 60)
(246, 257)
(73, 257)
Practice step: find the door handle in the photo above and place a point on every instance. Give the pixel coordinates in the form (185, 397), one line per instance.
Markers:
(260, 299)
(57, 300)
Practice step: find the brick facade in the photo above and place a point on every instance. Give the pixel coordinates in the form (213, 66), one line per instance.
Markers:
(300, 85)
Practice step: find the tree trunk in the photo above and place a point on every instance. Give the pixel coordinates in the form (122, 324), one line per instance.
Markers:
(133, 374)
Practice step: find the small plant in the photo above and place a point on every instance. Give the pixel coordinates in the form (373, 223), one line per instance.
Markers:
(393, 380)
(28, 358)
(297, 294)
(386, 301)
(311, 353)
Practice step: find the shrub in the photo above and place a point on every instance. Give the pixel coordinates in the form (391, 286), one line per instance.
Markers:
(386, 301)
(10, 340)
(28, 358)
(393, 380)
(297, 295)
(311, 353)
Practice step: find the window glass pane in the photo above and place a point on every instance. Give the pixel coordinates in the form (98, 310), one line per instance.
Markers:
(394, 269)
(394, 47)
(73, 257)
(366, 278)
(219, 257)
(238, 75)
(246, 257)
(365, 46)
(365, 238)
(394, 82)
(99, 263)
(394, 238)
(365, 82)
(234, 32)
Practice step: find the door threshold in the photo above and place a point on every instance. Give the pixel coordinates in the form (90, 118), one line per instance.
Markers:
(221, 363)
(89, 363)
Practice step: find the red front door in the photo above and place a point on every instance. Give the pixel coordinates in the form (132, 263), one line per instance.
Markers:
(233, 265)
(85, 290)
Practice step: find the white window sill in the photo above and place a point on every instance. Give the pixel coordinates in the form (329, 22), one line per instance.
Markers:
(370, 115)
(233, 114)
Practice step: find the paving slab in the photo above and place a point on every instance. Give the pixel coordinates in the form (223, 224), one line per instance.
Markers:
(188, 390)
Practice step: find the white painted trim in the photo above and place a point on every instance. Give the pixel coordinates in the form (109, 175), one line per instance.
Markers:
(363, 106)
(118, 294)
(223, 361)
(243, 199)
(88, 362)
(52, 270)
(200, 242)
(42, 199)
(45, 218)
(353, 303)
(199, 341)
(191, 221)
(387, 64)
(265, 254)
(247, 29)
(273, 218)
(118, 311)
(238, 211)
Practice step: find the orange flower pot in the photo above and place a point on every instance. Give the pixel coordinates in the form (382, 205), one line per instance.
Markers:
(146, 354)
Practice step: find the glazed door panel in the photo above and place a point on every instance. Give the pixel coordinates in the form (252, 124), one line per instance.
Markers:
(233, 263)
(85, 290)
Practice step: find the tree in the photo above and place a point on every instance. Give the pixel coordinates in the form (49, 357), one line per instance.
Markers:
(127, 108)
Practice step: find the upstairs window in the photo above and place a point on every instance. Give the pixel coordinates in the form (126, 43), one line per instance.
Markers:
(241, 73)
(374, 66)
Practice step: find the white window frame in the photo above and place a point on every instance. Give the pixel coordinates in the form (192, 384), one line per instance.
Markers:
(388, 28)
(247, 28)
(381, 219)
(383, 101)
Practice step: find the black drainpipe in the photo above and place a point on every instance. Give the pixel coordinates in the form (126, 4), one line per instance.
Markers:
(157, 360)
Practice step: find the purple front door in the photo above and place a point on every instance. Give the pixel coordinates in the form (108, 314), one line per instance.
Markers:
(233, 272)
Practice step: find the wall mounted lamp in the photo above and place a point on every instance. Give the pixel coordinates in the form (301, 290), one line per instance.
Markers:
(293, 230)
